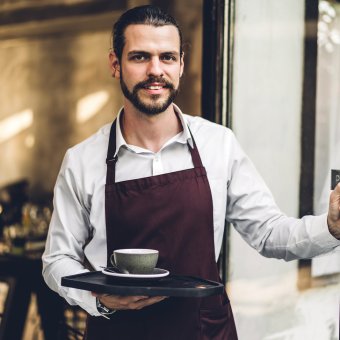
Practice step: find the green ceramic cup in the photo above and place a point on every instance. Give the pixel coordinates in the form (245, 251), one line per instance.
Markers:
(135, 261)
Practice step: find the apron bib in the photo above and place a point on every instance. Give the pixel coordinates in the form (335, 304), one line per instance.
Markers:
(172, 213)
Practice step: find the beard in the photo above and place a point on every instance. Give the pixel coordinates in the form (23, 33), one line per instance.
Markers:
(155, 106)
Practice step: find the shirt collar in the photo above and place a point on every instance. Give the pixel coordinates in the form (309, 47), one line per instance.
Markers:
(184, 137)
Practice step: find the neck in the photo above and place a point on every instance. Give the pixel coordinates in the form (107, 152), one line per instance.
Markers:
(149, 132)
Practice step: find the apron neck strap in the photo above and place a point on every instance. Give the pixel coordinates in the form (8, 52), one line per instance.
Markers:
(111, 158)
(196, 158)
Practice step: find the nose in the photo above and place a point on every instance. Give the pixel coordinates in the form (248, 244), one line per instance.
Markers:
(155, 67)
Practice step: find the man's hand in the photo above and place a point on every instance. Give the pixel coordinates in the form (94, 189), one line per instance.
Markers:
(333, 218)
(127, 302)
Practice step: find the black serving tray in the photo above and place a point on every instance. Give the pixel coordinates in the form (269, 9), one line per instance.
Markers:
(172, 285)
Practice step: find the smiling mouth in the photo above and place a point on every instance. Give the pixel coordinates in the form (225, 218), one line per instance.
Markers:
(155, 86)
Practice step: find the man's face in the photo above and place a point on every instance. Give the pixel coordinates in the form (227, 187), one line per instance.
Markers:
(151, 67)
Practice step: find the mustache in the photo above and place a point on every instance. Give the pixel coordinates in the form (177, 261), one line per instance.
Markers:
(145, 83)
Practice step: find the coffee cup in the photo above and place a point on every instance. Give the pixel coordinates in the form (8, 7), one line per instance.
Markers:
(135, 261)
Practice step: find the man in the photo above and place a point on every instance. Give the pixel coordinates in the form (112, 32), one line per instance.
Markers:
(159, 179)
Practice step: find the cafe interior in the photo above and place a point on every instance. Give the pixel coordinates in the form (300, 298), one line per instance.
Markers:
(268, 70)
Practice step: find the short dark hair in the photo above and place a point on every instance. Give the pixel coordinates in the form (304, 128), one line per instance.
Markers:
(147, 15)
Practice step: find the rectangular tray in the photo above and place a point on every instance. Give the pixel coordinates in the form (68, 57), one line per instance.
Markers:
(172, 285)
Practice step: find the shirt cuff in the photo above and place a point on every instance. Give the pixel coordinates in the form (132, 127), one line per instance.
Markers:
(320, 233)
(85, 300)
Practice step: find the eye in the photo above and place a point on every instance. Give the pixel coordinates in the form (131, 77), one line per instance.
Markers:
(138, 57)
(168, 57)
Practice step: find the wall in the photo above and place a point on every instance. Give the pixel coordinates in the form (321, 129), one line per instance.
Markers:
(267, 87)
(47, 73)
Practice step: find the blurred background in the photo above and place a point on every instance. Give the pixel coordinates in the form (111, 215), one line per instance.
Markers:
(268, 69)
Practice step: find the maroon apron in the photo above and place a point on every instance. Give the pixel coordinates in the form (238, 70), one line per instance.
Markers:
(172, 213)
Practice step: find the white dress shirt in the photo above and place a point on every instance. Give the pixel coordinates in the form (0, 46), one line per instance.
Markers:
(240, 196)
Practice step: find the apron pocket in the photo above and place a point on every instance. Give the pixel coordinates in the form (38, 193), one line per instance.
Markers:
(217, 323)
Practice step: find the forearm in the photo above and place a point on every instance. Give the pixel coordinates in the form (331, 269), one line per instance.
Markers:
(290, 238)
(54, 269)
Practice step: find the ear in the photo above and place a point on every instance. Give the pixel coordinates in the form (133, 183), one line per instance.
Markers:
(182, 65)
(114, 65)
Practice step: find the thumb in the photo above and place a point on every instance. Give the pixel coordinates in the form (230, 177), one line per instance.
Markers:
(333, 219)
(334, 201)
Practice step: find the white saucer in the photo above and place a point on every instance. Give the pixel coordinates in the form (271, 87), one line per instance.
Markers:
(157, 273)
